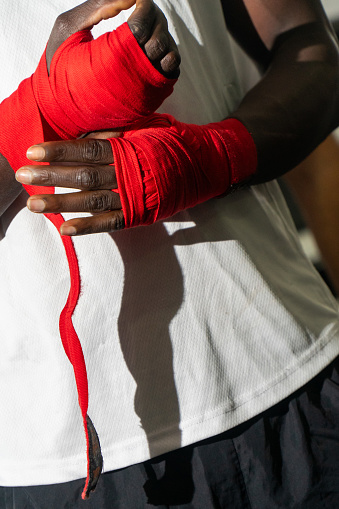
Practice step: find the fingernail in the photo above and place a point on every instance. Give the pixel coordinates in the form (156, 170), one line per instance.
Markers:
(36, 153)
(68, 230)
(36, 205)
(24, 176)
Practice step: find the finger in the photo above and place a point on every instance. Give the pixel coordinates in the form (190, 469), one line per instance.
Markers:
(170, 64)
(86, 150)
(84, 201)
(85, 178)
(149, 26)
(162, 50)
(81, 17)
(142, 20)
(107, 222)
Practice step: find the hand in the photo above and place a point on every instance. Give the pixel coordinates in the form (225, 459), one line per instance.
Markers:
(161, 168)
(147, 23)
(80, 164)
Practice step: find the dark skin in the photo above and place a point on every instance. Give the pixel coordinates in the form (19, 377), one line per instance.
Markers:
(292, 109)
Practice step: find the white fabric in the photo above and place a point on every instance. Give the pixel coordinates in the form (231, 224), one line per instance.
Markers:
(189, 326)
(332, 8)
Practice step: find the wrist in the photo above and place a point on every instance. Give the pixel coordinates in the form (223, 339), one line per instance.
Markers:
(240, 148)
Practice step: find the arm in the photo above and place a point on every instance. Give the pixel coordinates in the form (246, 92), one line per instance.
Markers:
(291, 110)
(296, 104)
(149, 27)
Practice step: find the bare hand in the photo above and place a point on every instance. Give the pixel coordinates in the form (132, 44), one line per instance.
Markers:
(147, 23)
(80, 164)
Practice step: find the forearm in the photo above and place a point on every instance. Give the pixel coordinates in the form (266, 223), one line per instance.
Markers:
(296, 104)
(9, 187)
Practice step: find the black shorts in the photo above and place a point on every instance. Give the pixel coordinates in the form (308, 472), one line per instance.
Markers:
(286, 458)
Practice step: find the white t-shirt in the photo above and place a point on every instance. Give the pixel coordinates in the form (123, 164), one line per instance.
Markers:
(189, 327)
(332, 8)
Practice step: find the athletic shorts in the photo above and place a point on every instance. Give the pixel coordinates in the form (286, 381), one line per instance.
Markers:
(286, 458)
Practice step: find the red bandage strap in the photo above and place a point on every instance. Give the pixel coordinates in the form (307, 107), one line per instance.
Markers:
(109, 83)
(18, 110)
(168, 166)
(99, 84)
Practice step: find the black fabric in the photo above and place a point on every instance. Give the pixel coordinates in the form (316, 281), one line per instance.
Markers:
(95, 458)
(247, 37)
(286, 458)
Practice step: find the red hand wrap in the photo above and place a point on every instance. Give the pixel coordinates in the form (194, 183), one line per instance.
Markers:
(98, 84)
(168, 166)
(93, 84)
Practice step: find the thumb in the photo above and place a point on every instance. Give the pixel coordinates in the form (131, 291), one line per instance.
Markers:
(142, 20)
(93, 11)
(82, 17)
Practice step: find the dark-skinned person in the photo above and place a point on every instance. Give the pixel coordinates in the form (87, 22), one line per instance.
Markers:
(161, 326)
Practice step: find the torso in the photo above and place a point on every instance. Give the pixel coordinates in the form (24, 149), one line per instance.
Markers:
(188, 327)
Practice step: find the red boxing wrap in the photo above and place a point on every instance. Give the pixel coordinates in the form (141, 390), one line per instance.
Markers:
(167, 166)
(93, 84)
(99, 84)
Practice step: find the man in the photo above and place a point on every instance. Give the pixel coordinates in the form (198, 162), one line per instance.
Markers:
(194, 328)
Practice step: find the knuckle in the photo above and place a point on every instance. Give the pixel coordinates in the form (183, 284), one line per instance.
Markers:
(98, 201)
(157, 47)
(42, 176)
(93, 151)
(171, 62)
(142, 21)
(140, 30)
(61, 25)
(58, 153)
(88, 178)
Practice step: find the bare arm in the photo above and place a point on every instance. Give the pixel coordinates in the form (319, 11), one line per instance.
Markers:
(291, 110)
(296, 104)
